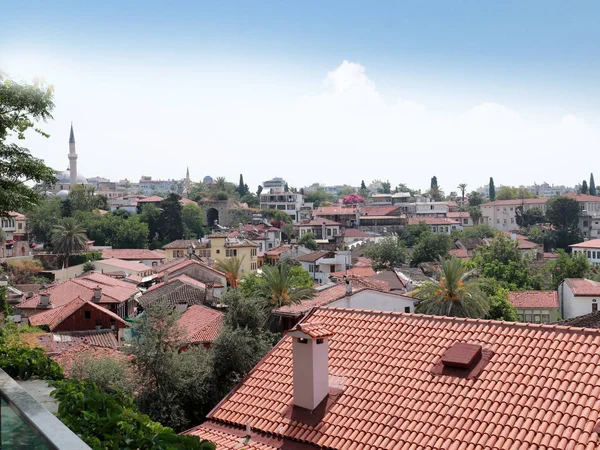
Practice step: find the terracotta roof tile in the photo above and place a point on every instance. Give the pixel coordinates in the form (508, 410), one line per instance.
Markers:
(55, 343)
(385, 210)
(592, 243)
(66, 358)
(186, 243)
(131, 254)
(316, 223)
(591, 320)
(461, 253)
(126, 265)
(314, 256)
(334, 211)
(533, 299)
(583, 286)
(314, 330)
(151, 199)
(538, 389)
(200, 324)
(458, 215)
(355, 271)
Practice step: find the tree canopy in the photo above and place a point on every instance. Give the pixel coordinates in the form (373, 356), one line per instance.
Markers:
(309, 241)
(389, 252)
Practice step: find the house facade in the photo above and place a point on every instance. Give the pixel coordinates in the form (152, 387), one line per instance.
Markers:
(287, 202)
(590, 249)
(322, 228)
(437, 224)
(321, 264)
(577, 297)
(222, 247)
(14, 226)
(535, 306)
(502, 214)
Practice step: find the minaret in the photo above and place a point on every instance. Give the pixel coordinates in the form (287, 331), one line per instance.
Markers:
(72, 159)
(187, 182)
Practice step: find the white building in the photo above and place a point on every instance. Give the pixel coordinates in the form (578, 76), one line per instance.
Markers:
(148, 186)
(590, 249)
(577, 297)
(277, 182)
(320, 227)
(546, 190)
(289, 202)
(437, 224)
(461, 216)
(502, 214)
(377, 301)
(321, 264)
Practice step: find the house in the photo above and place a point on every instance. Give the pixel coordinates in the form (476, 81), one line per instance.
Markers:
(346, 215)
(437, 224)
(356, 379)
(321, 264)
(526, 247)
(55, 343)
(179, 291)
(577, 297)
(288, 202)
(193, 269)
(535, 306)
(353, 236)
(589, 217)
(334, 291)
(111, 293)
(395, 282)
(502, 214)
(80, 315)
(461, 216)
(222, 247)
(14, 226)
(273, 256)
(590, 249)
(322, 228)
(130, 268)
(200, 325)
(469, 245)
(184, 247)
(377, 217)
(268, 236)
(352, 272)
(150, 258)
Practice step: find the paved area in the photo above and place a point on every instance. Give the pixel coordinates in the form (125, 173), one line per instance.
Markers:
(40, 390)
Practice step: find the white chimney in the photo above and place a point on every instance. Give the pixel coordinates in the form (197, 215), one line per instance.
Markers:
(348, 287)
(44, 298)
(310, 349)
(513, 236)
(97, 293)
(166, 277)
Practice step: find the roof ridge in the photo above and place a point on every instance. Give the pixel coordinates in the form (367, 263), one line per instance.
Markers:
(545, 327)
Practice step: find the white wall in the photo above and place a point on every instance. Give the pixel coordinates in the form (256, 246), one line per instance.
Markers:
(379, 301)
(572, 306)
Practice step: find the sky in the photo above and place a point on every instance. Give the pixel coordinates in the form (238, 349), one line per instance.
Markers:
(315, 92)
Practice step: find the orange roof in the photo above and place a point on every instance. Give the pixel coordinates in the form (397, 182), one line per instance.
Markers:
(534, 299)
(151, 199)
(124, 264)
(458, 215)
(314, 330)
(583, 286)
(582, 197)
(593, 243)
(461, 253)
(317, 223)
(538, 389)
(331, 294)
(356, 271)
(334, 211)
(187, 201)
(66, 358)
(113, 291)
(378, 210)
(200, 324)
(55, 316)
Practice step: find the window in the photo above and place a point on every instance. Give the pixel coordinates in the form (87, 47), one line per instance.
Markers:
(431, 207)
(520, 317)
(465, 221)
(154, 263)
(497, 220)
(589, 253)
(511, 208)
(512, 220)
(87, 314)
(407, 309)
(328, 231)
(311, 268)
(20, 226)
(545, 318)
(218, 251)
(594, 307)
(536, 318)
(528, 317)
(335, 231)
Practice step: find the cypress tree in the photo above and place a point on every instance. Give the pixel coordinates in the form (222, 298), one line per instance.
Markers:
(492, 189)
(592, 185)
(434, 183)
(584, 187)
(241, 186)
(363, 185)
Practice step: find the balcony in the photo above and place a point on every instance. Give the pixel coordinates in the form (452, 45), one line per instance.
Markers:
(25, 424)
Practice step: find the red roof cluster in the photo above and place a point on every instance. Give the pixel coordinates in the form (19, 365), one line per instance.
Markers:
(378, 210)
(534, 299)
(539, 388)
(583, 287)
(200, 324)
(55, 316)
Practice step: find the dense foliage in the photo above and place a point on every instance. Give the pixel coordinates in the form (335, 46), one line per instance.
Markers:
(110, 420)
(431, 247)
(389, 252)
(309, 241)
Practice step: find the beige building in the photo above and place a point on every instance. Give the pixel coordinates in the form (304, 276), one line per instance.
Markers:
(183, 247)
(223, 247)
(502, 214)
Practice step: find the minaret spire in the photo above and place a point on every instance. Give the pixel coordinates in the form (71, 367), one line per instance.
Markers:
(72, 159)
(187, 182)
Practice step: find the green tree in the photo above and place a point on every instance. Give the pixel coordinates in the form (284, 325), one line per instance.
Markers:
(278, 289)
(289, 231)
(363, 186)
(411, 233)
(434, 182)
(109, 374)
(171, 220)
(563, 214)
(431, 247)
(528, 217)
(259, 191)
(308, 240)
(502, 261)
(483, 231)
(453, 295)
(475, 199)
(318, 196)
(492, 190)
(150, 215)
(22, 105)
(242, 188)
(232, 268)
(462, 187)
(244, 311)
(500, 307)
(42, 217)
(584, 187)
(575, 265)
(84, 198)
(592, 185)
(513, 193)
(386, 187)
(193, 221)
(389, 252)
(475, 214)
(68, 237)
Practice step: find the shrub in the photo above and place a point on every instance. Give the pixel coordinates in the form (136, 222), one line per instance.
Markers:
(109, 374)
(88, 266)
(222, 195)
(21, 361)
(82, 258)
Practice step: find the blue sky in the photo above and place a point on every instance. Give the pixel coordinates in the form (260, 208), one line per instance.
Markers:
(463, 90)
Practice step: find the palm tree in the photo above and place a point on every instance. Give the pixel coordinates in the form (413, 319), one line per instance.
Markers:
(277, 287)
(221, 184)
(475, 214)
(68, 237)
(463, 188)
(232, 269)
(453, 295)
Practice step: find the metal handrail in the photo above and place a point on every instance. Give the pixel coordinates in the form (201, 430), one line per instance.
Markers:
(53, 433)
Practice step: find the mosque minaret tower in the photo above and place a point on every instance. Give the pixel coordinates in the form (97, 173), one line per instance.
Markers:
(72, 159)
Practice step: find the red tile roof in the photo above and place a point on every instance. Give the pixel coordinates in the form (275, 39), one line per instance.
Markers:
(187, 201)
(200, 324)
(353, 232)
(334, 211)
(278, 250)
(458, 215)
(317, 223)
(131, 254)
(534, 299)
(55, 343)
(432, 221)
(355, 271)
(331, 294)
(66, 358)
(55, 316)
(314, 256)
(582, 197)
(126, 265)
(592, 243)
(583, 287)
(378, 210)
(538, 390)
(461, 253)
(151, 199)
(314, 330)
(113, 291)
(361, 261)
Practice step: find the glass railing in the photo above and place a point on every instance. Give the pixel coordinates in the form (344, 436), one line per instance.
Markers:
(27, 425)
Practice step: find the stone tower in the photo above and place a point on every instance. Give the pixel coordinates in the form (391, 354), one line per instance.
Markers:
(72, 159)
(188, 183)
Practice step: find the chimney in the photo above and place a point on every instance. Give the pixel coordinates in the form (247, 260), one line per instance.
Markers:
(166, 277)
(513, 236)
(348, 287)
(44, 298)
(310, 350)
(210, 290)
(97, 294)
(181, 307)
